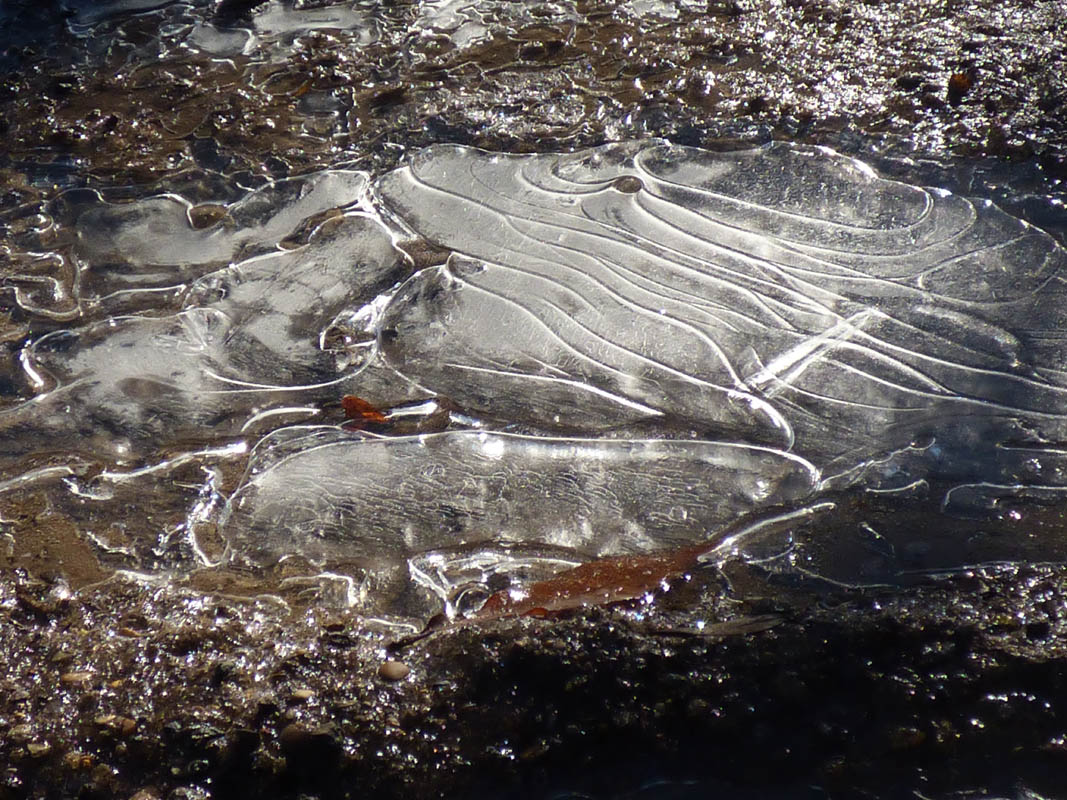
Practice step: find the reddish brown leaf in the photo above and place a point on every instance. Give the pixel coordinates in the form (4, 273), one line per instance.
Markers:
(609, 580)
(358, 409)
(622, 578)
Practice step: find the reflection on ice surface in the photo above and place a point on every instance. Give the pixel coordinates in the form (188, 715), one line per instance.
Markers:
(471, 22)
(330, 495)
(780, 295)
(165, 238)
(251, 336)
(279, 17)
(260, 30)
(236, 28)
(89, 12)
(647, 342)
(135, 413)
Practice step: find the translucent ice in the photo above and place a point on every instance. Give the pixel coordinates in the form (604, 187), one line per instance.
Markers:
(471, 22)
(89, 12)
(252, 336)
(781, 295)
(680, 336)
(330, 495)
(272, 27)
(155, 241)
(280, 17)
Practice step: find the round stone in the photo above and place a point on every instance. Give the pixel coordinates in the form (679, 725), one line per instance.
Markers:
(393, 671)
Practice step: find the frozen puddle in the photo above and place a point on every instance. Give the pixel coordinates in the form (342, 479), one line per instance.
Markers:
(167, 239)
(135, 413)
(645, 343)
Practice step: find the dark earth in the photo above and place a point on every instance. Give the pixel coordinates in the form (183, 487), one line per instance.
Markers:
(950, 686)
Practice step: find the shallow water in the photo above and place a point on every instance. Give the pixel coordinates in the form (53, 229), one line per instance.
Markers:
(640, 343)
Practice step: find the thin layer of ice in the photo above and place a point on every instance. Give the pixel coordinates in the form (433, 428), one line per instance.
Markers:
(285, 17)
(89, 12)
(330, 495)
(154, 240)
(269, 30)
(252, 336)
(684, 336)
(653, 8)
(783, 295)
(471, 22)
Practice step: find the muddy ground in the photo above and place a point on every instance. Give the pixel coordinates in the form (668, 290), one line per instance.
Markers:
(126, 689)
(949, 687)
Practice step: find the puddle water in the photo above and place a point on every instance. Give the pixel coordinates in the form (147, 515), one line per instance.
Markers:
(632, 348)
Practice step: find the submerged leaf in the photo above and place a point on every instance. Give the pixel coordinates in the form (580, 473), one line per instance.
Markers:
(359, 410)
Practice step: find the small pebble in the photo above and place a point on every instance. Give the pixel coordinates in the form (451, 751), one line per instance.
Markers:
(21, 733)
(38, 749)
(77, 760)
(294, 738)
(125, 726)
(628, 184)
(393, 671)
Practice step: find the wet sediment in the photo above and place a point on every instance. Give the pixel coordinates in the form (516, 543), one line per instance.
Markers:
(947, 687)
(937, 79)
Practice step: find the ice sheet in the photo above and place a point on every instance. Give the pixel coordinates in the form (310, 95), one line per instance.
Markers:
(330, 495)
(251, 337)
(644, 343)
(783, 295)
(154, 240)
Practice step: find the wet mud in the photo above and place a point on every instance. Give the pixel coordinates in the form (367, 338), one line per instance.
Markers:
(953, 687)
(751, 681)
